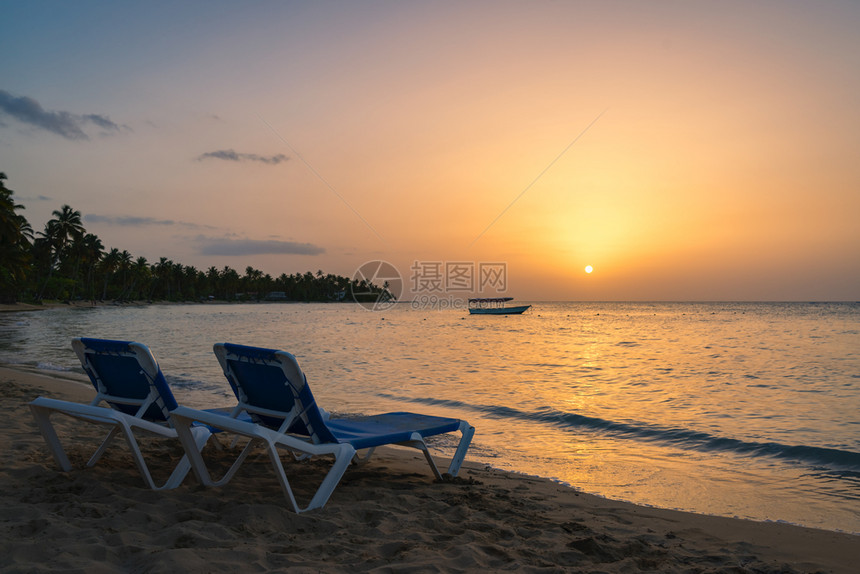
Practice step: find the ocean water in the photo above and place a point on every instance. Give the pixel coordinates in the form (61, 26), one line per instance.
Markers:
(734, 409)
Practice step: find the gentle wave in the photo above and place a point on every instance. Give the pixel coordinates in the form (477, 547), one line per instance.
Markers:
(25, 361)
(47, 366)
(679, 437)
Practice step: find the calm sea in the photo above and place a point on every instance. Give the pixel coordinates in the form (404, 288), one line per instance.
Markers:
(735, 409)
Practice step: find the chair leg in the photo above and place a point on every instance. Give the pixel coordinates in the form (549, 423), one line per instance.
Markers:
(102, 447)
(430, 460)
(278, 467)
(357, 460)
(342, 459)
(193, 444)
(135, 454)
(468, 432)
(418, 442)
(201, 436)
(43, 420)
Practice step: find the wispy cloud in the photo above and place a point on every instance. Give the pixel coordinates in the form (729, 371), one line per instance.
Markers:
(232, 155)
(66, 124)
(210, 246)
(136, 221)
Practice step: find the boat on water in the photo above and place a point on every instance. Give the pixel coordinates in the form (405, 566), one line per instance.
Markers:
(494, 306)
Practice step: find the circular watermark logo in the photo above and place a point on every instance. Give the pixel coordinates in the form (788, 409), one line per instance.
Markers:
(376, 285)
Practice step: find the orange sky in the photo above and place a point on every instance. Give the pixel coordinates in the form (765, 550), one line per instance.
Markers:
(724, 165)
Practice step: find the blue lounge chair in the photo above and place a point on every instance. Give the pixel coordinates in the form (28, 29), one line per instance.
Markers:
(127, 378)
(271, 388)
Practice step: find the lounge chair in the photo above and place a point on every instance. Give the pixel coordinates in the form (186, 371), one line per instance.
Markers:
(271, 388)
(128, 379)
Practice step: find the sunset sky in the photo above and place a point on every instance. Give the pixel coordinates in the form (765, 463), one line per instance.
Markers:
(685, 150)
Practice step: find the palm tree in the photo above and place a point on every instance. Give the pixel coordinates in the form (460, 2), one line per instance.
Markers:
(140, 275)
(162, 271)
(252, 280)
(123, 263)
(108, 266)
(213, 280)
(230, 278)
(44, 253)
(93, 251)
(15, 237)
(85, 251)
(65, 228)
(8, 218)
(177, 275)
(190, 278)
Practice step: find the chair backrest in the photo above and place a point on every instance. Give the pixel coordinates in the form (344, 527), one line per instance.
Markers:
(126, 376)
(271, 387)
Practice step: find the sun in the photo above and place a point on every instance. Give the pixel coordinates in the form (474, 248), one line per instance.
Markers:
(589, 268)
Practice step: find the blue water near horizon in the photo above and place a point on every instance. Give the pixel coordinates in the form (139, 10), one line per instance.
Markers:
(734, 409)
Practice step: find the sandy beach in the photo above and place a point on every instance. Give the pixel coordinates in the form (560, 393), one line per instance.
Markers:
(385, 516)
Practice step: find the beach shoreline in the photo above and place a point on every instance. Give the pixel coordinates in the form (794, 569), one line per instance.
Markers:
(23, 307)
(26, 307)
(385, 516)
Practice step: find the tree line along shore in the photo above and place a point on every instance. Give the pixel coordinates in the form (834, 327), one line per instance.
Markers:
(65, 263)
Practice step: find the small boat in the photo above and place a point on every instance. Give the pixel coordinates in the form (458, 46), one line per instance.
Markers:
(494, 306)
